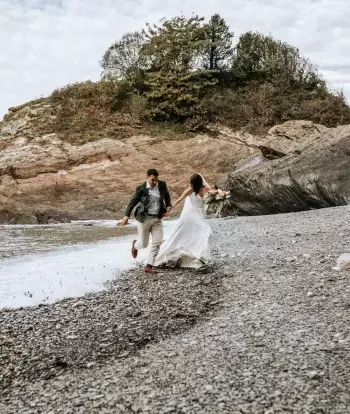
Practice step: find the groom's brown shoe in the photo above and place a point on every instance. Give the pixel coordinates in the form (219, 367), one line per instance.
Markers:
(150, 269)
(133, 250)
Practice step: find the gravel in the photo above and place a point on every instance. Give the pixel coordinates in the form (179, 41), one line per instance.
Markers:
(266, 329)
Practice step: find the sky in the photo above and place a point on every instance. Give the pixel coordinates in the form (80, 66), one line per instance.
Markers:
(46, 44)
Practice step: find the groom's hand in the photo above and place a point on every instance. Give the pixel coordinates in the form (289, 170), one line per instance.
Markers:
(124, 222)
(167, 212)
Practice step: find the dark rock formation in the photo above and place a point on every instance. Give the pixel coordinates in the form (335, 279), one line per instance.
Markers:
(314, 171)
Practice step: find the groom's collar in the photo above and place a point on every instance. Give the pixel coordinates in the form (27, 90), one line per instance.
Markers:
(148, 185)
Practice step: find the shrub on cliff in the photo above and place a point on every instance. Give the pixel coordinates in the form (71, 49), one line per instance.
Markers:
(187, 70)
(83, 111)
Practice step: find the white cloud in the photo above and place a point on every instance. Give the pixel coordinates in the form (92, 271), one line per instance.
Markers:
(46, 44)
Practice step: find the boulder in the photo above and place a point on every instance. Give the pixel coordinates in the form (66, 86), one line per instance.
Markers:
(293, 136)
(343, 261)
(312, 171)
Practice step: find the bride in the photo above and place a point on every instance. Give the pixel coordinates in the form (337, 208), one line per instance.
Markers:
(189, 244)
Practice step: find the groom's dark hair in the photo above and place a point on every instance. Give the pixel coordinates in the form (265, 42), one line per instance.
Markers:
(152, 171)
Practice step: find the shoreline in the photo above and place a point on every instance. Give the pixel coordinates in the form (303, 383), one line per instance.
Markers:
(135, 310)
(61, 264)
(267, 327)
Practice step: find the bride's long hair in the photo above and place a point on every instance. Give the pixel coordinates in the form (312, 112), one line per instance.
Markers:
(197, 183)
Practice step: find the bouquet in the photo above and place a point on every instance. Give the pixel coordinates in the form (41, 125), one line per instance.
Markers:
(216, 200)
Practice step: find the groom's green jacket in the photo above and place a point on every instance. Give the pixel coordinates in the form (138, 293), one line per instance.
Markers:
(140, 200)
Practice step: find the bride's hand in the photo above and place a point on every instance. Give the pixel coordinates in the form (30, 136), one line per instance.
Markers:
(212, 192)
(168, 211)
(223, 193)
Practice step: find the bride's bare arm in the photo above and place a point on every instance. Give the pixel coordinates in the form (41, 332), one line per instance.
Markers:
(186, 193)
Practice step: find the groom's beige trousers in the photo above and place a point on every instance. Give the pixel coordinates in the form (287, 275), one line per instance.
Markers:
(151, 226)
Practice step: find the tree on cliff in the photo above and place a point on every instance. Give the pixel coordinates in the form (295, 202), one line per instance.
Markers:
(185, 69)
(176, 81)
(218, 50)
(123, 59)
(262, 58)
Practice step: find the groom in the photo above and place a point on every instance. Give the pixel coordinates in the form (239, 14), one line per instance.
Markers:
(152, 202)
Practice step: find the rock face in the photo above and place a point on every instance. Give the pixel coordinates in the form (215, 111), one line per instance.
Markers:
(45, 178)
(301, 166)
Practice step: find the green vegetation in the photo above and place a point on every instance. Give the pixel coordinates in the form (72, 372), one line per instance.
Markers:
(192, 72)
(187, 70)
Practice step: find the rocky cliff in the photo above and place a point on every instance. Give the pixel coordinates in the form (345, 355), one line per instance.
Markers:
(47, 176)
(301, 166)
(44, 177)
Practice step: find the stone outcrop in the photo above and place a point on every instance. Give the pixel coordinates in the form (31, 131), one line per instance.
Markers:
(301, 166)
(45, 178)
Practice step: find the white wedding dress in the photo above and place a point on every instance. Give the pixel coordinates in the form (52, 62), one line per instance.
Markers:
(189, 243)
